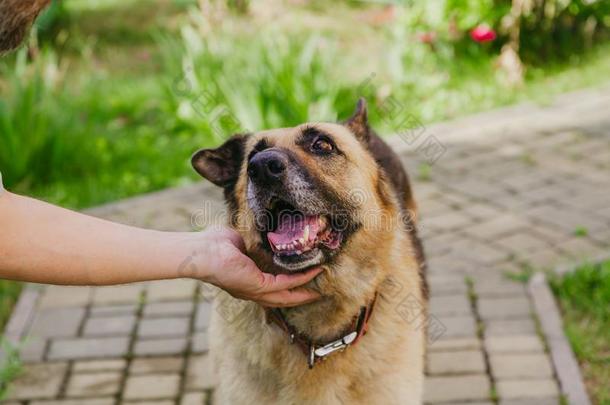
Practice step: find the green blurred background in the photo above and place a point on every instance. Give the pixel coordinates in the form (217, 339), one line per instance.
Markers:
(110, 98)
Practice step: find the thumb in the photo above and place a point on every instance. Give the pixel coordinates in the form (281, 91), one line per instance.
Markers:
(272, 283)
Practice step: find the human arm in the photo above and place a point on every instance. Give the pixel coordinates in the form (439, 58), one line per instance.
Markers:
(43, 243)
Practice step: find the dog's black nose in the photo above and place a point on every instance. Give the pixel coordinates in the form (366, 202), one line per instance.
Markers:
(267, 166)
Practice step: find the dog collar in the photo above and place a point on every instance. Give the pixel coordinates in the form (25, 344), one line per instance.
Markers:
(316, 351)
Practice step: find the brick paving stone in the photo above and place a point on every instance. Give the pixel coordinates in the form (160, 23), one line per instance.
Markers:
(90, 401)
(202, 318)
(458, 362)
(199, 373)
(469, 403)
(453, 344)
(515, 366)
(441, 243)
(200, 342)
(498, 287)
(125, 294)
(478, 252)
(579, 248)
(498, 226)
(156, 365)
(171, 290)
(446, 287)
(60, 322)
(510, 327)
(112, 310)
(504, 308)
(160, 347)
(458, 326)
(449, 305)
(194, 398)
(168, 308)
(33, 350)
(447, 221)
(448, 265)
(60, 296)
(456, 388)
(98, 365)
(513, 344)
(163, 327)
(154, 386)
(521, 242)
(540, 259)
(38, 381)
(109, 326)
(88, 348)
(151, 402)
(537, 401)
(94, 384)
(527, 388)
(481, 211)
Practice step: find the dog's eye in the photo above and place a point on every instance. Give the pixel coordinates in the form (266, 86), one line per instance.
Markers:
(322, 145)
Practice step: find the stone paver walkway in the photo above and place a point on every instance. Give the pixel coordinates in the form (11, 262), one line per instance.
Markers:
(516, 188)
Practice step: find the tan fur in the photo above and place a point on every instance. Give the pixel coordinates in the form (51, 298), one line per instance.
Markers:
(255, 362)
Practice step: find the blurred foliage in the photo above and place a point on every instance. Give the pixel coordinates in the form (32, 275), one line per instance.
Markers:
(55, 17)
(542, 29)
(584, 297)
(10, 366)
(221, 85)
(120, 94)
(9, 291)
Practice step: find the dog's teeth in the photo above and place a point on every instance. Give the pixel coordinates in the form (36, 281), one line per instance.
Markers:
(302, 241)
(305, 234)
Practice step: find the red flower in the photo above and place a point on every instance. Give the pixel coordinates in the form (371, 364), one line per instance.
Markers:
(426, 37)
(483, 33)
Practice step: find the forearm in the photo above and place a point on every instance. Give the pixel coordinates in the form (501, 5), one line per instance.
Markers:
(47, 244)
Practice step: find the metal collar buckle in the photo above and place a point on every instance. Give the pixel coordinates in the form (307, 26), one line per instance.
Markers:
(330, 348)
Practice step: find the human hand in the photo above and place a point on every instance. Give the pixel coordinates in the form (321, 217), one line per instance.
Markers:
(230, 269)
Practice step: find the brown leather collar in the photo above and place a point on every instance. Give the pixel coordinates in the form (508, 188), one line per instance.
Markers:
(316, 351)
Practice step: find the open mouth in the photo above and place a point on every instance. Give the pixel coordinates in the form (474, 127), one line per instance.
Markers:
(299, 240)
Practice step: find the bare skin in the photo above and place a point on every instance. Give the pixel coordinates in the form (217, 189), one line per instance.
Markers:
(43, 243)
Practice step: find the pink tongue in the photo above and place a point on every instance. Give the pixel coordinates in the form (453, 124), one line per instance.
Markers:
(291, 228)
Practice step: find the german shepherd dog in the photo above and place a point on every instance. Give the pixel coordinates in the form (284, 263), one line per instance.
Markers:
(321, 195)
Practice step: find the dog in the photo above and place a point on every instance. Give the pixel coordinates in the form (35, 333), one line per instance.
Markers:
(333, 196)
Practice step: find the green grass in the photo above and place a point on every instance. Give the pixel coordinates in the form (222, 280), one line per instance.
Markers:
(9, 368)
(9, 291)
(584, 297)
(9, 364)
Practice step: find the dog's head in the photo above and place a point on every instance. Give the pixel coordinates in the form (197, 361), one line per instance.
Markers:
(302, 196)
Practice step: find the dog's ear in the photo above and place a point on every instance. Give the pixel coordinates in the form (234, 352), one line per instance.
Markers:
(358, 123)
(221, 165)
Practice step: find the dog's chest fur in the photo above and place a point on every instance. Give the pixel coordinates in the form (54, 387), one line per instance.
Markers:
(257, 365)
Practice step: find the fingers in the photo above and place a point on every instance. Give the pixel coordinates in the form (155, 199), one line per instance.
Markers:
(288, 298)
(273, 283)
